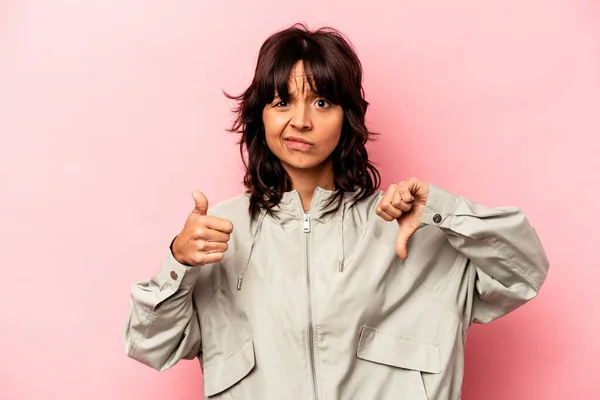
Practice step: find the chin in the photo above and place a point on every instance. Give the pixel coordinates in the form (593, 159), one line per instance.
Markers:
(303, 163)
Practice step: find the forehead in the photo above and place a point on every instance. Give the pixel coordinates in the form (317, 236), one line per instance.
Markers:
(299, 81)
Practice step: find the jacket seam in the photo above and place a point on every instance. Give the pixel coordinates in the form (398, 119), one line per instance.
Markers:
(230, 355)
(458, 260)
(421, 283)
(321, 374)
(403, 337)
(149, 318)
(434, 295)
(515, 265)
(201, 310)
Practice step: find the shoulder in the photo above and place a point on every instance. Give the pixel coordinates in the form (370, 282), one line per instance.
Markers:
(232, 208)
(236, 211)
(363, 210)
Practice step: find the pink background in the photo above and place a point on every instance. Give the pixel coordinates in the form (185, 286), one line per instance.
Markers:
(111, 113)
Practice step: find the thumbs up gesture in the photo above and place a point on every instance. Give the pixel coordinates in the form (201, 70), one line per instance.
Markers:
(203, 239)
(404, 202)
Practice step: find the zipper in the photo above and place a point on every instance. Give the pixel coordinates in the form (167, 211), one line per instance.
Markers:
(306, 223)
(311, 335)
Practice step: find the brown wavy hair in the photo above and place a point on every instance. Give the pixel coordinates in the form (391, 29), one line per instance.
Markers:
(336, 74)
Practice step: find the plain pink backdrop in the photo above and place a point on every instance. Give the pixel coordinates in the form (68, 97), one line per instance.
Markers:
(112, 112)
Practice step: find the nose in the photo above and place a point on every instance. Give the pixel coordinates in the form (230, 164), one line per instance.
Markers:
(301, 119)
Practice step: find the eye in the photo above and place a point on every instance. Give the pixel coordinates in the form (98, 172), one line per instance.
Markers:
(281, 104)
(322, 103)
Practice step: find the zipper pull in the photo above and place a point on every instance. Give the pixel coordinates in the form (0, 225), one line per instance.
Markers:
(306, 224)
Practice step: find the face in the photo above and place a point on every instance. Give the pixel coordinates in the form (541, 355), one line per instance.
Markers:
(304, 131)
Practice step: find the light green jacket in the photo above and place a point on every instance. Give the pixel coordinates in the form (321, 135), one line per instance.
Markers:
(319, 306)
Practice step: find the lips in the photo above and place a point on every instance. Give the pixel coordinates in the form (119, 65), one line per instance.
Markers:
(296, 143)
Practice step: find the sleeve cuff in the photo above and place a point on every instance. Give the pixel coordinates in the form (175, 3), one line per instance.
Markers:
(440, 207)
(177, 275)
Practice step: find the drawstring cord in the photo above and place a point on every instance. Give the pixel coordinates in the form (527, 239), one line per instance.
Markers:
(261, 218)
(341, 264)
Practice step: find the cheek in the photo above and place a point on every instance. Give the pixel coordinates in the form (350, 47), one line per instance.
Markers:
(274, 127)
(335, 129)
(274, 124)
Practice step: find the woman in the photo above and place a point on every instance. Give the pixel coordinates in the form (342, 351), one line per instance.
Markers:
(316, 285)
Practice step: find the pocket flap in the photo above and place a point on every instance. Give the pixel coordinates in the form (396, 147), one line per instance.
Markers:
(398, 351)
(221, 374)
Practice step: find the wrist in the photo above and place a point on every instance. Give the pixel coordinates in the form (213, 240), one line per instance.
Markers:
(176, 254)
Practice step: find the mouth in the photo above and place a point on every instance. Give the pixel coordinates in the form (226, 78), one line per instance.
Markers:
(297, 143)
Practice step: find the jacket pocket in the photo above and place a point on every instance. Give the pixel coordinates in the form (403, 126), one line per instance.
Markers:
(409, 356)
(398, 351)
(223, 373)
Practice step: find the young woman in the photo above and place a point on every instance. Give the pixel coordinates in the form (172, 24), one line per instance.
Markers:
(314, 284)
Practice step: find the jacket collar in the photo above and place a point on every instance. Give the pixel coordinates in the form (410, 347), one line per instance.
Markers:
(291, 204)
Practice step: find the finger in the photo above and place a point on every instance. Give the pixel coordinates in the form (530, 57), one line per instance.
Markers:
(200, 202)
(404, 192)
(387, 206)
(218, 224)
(400, 203)
(401, 243)
(384, 214)
(207, 247)
(391, 210)
(389, 194)
(212, 235)
(413, 185)
(203, 258)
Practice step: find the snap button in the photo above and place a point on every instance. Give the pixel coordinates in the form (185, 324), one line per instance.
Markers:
(437, 218)
(174, 275)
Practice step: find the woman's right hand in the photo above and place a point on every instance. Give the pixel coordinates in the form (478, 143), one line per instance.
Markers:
(203, 239)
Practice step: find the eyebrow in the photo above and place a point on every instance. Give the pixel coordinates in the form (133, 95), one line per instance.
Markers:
(294, 94)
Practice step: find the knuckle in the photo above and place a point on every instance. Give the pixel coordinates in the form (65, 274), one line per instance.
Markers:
(201, 231)
(202, 245)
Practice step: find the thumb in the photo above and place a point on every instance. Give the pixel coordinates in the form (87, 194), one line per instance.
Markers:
(201, 202)
(402, 241)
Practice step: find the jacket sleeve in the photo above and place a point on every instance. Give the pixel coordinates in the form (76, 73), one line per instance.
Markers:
(162, 324)
(500, 246)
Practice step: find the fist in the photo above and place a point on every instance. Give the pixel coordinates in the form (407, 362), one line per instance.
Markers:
(404, 202)
(203, 239)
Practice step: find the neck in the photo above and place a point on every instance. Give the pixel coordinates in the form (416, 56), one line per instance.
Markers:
(306, 181)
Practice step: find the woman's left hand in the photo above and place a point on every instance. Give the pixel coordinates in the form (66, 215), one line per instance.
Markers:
(404, 202)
